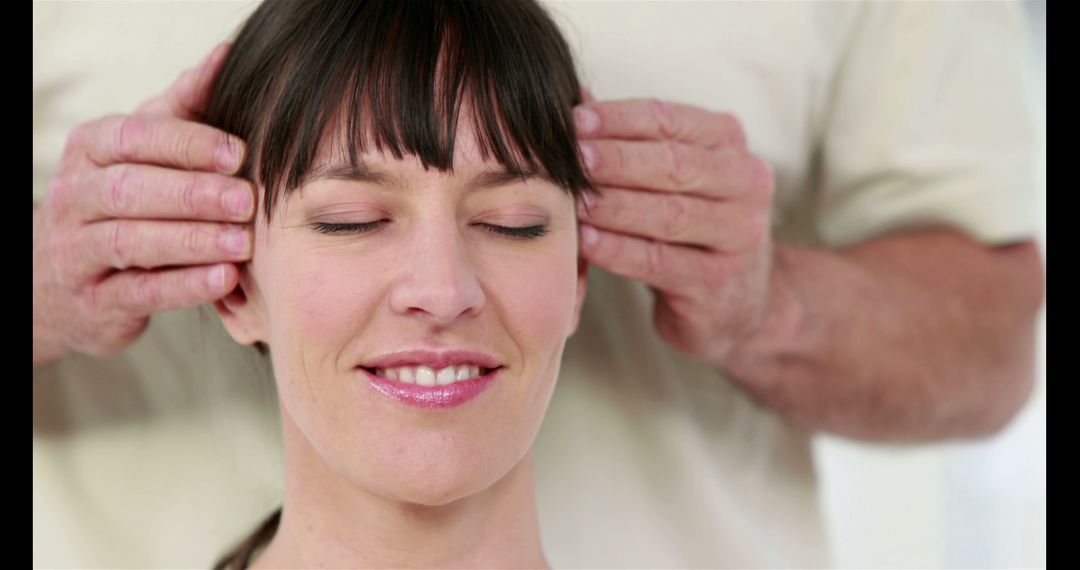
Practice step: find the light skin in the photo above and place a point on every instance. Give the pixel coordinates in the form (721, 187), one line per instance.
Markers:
(371, 482)
(797, 342)
(143, 216)
(912, 337)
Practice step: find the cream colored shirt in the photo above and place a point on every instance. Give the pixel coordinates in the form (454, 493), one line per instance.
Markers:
(875, 116)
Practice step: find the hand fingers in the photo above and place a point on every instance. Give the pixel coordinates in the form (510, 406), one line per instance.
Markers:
(143, 191)
(727, 226)
(165, 141)
(670, 166)
(653, 119)
(148, 292)
(671, 268)
(123, 244)
(187, 97)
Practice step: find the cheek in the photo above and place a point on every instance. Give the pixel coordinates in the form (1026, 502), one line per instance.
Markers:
(320, 302)
(537, 295)
(330, 301)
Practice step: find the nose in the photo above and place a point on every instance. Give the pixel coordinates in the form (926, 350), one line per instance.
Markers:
(438, 283)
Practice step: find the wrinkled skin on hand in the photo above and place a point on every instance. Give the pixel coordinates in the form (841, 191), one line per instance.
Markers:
(142, 217)
(686, 209)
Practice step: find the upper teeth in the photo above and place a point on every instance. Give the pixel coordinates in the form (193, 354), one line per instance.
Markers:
(425, 376)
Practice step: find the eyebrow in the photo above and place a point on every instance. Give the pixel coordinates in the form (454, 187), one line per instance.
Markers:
(363, 172)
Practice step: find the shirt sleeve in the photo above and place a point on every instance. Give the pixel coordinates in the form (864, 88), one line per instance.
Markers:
(930, 121)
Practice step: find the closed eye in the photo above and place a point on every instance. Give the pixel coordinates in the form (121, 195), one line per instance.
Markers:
(528, 232)
(345, 228)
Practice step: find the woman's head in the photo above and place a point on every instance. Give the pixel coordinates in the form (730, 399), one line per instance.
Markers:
(396, 74)
(431, 127)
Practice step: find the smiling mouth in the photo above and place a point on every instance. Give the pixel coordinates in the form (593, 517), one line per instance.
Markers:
(426, 391)
(428, 376)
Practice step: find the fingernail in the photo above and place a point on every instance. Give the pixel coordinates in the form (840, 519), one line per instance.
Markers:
(235, 241)
(229, 155)
(240, 202)
(587, 120)
(589, 154)
(589, 236)
(216, 278)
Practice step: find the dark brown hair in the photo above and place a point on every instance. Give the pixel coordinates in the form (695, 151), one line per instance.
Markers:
(239, 557)
(296, 65)
(397, 72)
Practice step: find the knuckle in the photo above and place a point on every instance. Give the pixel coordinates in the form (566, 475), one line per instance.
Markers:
(128, 131)
(656, 259)
(187, 243)
(147, 292)
(663, 116)
(681, 170)
(189, 188)
(185, 147)
(119, 251)
(118, 195)
(191, 243)
(676, 217)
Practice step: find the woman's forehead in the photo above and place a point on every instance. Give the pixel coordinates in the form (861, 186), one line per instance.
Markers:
(468, 156)
(334, 149)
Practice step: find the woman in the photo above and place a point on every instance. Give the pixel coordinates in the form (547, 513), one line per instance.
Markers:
(415, 274)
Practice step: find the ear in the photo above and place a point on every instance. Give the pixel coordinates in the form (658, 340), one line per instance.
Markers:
(241, 311)
(582, 285)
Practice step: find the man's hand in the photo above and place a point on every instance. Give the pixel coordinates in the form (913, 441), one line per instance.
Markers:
(686, 209)
(918, 335)
(133, 222)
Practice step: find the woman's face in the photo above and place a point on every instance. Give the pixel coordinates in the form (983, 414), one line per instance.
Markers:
(431, 275)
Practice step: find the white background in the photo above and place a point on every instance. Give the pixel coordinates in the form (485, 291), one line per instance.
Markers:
(979, 505)
(944, 506)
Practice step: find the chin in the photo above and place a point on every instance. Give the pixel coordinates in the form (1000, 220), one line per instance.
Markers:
(434, 479)
(435, 493)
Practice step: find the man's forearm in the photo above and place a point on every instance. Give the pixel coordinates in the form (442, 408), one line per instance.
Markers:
(914, 337)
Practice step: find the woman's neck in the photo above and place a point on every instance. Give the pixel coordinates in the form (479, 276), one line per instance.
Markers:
(329, 522)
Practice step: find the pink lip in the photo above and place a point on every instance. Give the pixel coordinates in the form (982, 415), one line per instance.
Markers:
(431, 397)
(432, 359)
